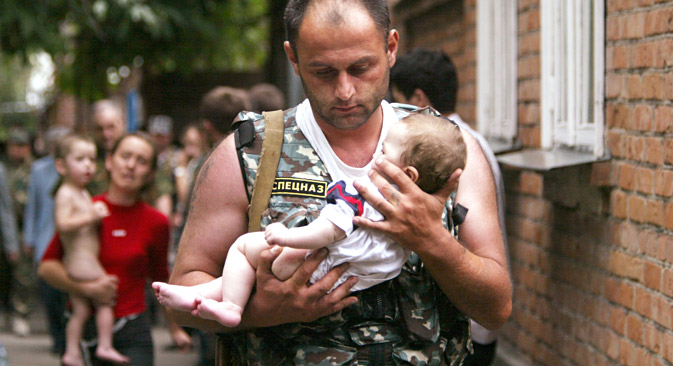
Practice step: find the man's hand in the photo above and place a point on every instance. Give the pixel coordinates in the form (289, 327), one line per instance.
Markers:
(295, 300)
(102, 291)
(411, 214)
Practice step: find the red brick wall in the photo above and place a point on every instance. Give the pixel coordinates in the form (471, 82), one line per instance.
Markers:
(591, 247)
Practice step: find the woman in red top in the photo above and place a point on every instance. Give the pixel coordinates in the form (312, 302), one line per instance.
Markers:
(133, 248)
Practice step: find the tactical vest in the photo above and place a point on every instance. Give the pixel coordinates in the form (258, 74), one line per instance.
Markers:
(407, 320)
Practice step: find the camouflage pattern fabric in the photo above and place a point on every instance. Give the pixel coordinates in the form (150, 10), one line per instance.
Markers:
(405, 321)
(23, 272)
(18, 177)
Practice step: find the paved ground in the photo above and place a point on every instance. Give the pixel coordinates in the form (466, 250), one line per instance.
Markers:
(34, 350)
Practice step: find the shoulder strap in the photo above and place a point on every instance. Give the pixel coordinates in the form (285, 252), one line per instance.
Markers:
(266, 171)
(266, 174)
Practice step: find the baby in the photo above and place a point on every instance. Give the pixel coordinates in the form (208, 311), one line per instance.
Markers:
(76, 218)
(430, 150)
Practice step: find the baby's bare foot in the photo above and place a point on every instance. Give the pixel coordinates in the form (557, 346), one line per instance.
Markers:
(111, 355)
(225, 313)
(181, 298)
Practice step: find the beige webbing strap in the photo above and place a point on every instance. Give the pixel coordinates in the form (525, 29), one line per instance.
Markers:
(266, 171)
(261, 192)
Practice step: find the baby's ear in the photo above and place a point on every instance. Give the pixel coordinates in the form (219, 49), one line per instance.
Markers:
(452, 183)
(411, 172)
(60, 166)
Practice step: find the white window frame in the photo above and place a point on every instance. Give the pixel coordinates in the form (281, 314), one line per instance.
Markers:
(571, 31)
(497, 57)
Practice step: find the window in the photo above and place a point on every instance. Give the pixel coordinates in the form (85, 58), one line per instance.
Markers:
(572, 55)
(497, 71)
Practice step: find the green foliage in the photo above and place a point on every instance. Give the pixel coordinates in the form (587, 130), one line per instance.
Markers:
(86, 37)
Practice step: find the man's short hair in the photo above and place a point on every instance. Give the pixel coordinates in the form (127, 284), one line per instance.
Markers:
(221, 105)
(433, 72)
(266, 97)
(106, 106)
(296, 10)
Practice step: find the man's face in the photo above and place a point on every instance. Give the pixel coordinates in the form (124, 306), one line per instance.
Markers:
(109, 128)
(17, 152)
(344, 67)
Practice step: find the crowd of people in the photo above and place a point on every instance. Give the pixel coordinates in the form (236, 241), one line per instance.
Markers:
(61, 212)
(150, 194)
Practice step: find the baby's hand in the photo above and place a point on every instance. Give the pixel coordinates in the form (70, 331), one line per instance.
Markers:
(276, 233)
(100, 210)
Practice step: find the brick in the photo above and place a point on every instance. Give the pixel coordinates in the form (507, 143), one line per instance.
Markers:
(618, 203)
(625, 265)
(621, 116)
(658, 21)
(618, 5)
(636, 148)
(652, 338)
(614, 86)
(661, 311)
(634, 328)
(668, 151)
(634, 87)
(653, 86)
(655, 212)
(635, 206)
(531, 183)
(646, 55)
(668, 86)
(664, 53)
(626, 177)
(643, 302)
(618, 57)
(663, 118)
(663, 183)
(652, 276)
(667, 287)
(530, 136)
(668, 215)
(644, 117)
(646, 237)
(666, 246)
(613, 28)
(667, 350)
(654, 150)
(644, 180)
(621, 293)
(616, 145)
(635, 25)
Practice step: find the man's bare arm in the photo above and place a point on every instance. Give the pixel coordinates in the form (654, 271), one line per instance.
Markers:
(473, 272)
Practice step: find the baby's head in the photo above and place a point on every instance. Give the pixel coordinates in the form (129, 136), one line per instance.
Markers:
(75, 157)
(429, 149)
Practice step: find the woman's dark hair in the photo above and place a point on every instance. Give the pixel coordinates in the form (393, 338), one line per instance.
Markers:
(296, 10)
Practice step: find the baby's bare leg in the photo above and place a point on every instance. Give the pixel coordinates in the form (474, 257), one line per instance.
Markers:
(238, 279)
(104, 325)
(73, 331)
(183, 298)
(287, 262)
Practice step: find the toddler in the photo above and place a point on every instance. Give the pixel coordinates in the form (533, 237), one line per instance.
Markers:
(76, 217)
